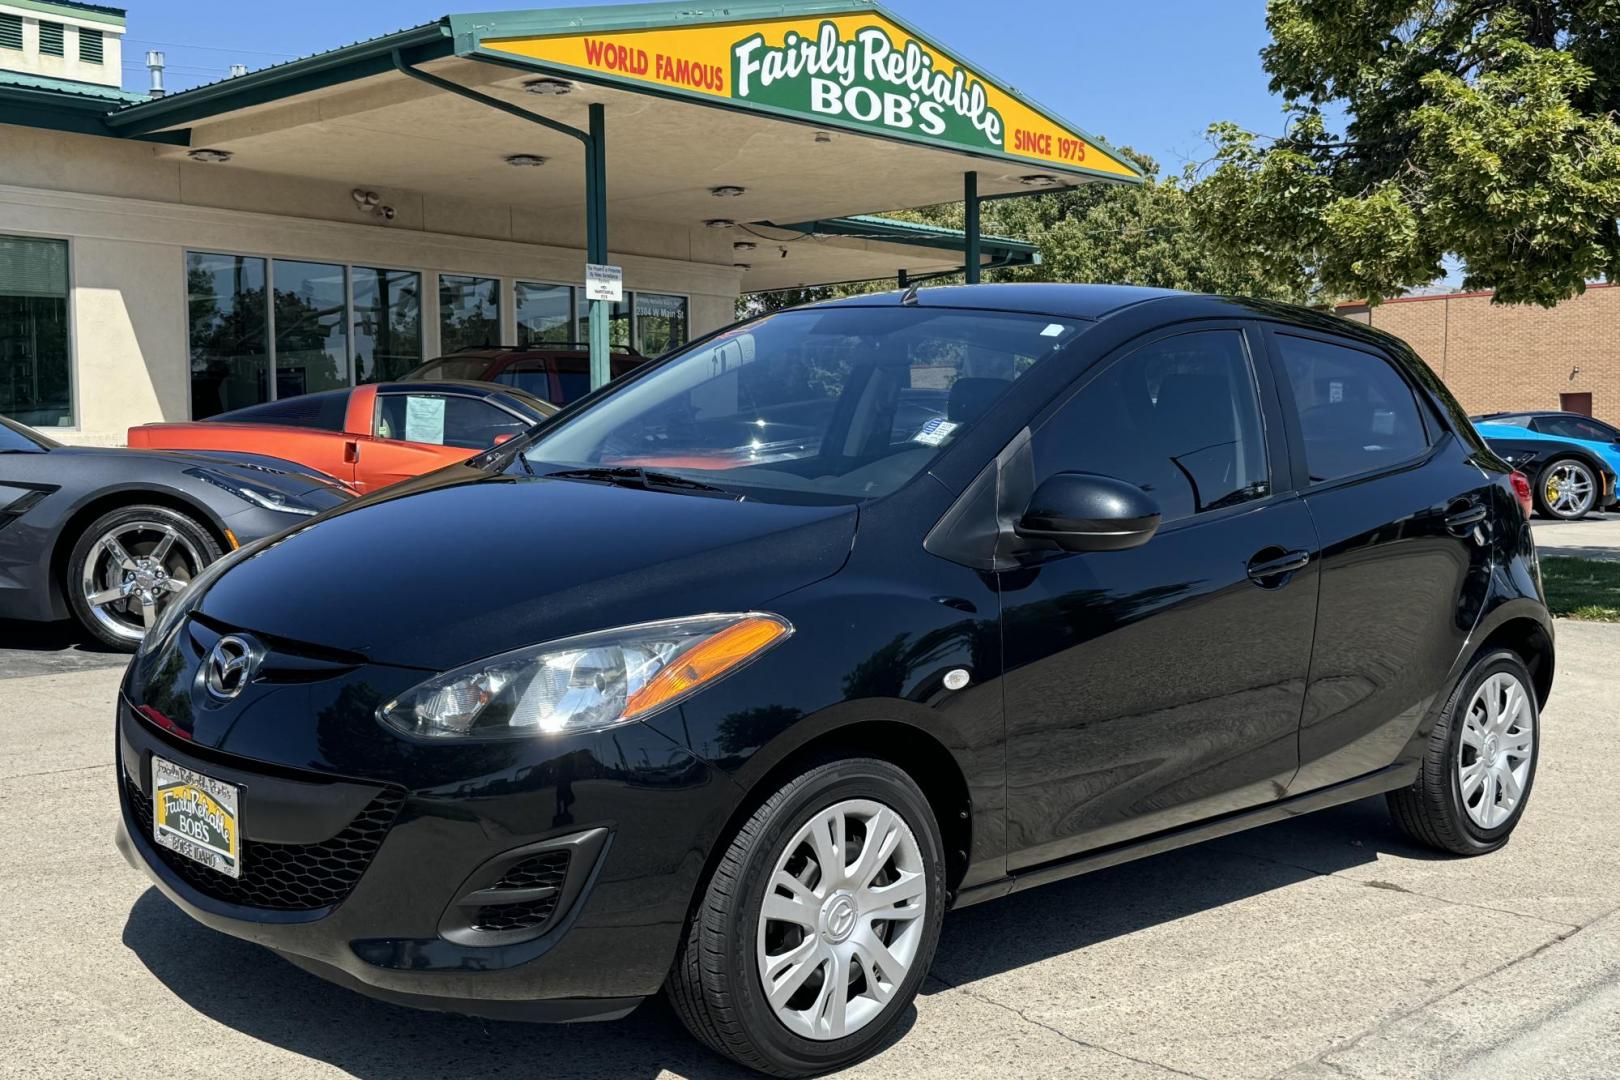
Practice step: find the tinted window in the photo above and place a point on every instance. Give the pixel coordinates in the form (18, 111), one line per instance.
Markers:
(1575, 427)
(455, 368)
(13, 441)
(444, 420)
(1355, 411)
(529, 375)
(815, 402)
(1178, 418)
(323, 411)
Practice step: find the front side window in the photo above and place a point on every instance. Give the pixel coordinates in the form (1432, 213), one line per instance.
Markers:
(661, 323)
(469, 312)
(312, 335)
(1576, 427)
(35, 364)
(827, 403)
(1356, 413)
(530, 376)
(545, 313)
(387, 323)
(230, 352)
(1178, 417)
(445, 420)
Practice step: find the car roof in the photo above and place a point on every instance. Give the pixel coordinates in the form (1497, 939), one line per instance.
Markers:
(1036, 298)
(470, 387)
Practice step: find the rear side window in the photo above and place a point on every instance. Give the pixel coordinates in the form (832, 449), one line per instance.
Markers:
(444, 420)
(1178, 417)
(1356, 413)
(527, 375)
(323, 412)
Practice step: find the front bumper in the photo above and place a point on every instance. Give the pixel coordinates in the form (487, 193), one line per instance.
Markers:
(367, 884)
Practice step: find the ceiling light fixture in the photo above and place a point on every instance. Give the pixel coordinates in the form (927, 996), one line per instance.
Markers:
(529, 160)
(1039, 180)
(215, 157)
(744, 245)
(726, 191)
(743, 266)
(823, 137)
(554, 87)
(720, 223)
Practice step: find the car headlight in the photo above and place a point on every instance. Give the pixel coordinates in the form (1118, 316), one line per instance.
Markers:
(268, 498)
(584, 683)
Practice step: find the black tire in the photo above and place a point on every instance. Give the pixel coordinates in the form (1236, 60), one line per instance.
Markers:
(204, 548)
(1431, 811)
(1546, 508)
(715, 986)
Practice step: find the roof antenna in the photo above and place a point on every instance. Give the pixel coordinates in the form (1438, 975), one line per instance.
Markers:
(910, 297)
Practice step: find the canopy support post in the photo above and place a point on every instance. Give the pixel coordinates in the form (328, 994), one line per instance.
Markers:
(596, 240)
(970, 207)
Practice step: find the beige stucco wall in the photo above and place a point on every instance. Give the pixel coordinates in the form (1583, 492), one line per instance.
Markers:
(130, 215)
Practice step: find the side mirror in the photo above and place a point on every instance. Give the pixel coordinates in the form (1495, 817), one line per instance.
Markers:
(1086, 512)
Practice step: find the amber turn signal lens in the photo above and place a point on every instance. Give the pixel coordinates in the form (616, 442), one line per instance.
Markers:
(710, 659)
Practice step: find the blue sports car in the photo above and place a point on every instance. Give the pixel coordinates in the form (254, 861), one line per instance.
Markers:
(1572, 460)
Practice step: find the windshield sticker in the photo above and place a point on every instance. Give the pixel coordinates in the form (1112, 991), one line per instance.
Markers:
(1053, 330)
(424, 420)
(935, 432)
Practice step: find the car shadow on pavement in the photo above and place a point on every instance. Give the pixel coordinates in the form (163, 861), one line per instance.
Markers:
(35, 648)
(254, 992)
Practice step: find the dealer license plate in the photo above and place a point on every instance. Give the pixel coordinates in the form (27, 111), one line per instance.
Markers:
(196, 816)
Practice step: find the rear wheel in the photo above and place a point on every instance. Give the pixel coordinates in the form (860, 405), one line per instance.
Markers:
(819, 924)
(129, 565)
(1566, 489)
(1480, 763)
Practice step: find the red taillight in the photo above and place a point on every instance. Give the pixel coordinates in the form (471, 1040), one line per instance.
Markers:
(1521, 488)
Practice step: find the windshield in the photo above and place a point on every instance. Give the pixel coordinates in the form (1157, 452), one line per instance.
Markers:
(840, 402)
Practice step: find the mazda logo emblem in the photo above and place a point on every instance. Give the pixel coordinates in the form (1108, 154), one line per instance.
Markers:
(229, 667)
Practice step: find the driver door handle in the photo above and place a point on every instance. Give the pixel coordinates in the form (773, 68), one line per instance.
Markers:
(1262, 571)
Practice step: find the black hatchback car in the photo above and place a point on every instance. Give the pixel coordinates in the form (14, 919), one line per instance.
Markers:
(613, 709)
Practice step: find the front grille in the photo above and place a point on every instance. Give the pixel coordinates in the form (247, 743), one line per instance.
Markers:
(285, 877)
(496, 917)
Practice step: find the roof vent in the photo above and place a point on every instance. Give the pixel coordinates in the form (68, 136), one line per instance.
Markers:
(154, 64)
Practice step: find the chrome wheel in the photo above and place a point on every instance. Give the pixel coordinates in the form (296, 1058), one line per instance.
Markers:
(1569, 489)
(132, 572)
(1495, 752)
(842, 920)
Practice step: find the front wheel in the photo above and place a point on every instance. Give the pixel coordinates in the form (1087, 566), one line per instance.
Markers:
(1566, 489)
(1480, 763)
(129, 565)
(819, 923)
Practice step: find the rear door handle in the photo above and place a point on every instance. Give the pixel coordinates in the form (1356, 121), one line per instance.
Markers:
(1262, 571)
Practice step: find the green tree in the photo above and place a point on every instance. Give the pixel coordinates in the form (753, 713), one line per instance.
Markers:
(1485, 129)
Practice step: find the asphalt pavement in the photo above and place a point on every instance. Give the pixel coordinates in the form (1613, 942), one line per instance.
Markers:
(1325, 947)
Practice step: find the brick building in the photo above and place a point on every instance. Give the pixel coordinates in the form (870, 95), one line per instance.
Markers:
(1508, 357)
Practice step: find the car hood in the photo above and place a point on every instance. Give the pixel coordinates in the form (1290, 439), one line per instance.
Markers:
(461, 564)
(268, 472)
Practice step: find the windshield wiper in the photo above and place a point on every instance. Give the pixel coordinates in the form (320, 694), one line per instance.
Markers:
(645, 479)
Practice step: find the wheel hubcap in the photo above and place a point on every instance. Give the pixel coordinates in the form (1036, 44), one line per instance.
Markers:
(132, 573)
(842, 919)
(1496, 750)
(1570, 489)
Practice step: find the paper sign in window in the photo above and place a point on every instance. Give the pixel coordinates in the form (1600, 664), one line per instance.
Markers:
(424, 420)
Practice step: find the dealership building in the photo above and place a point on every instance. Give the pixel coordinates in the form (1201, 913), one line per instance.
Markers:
(1513, 357)
(339, 218)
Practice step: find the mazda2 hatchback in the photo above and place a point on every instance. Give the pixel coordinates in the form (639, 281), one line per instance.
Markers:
(613, 709)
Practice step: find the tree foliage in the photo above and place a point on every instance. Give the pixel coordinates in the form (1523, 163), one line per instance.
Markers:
(1481, 128)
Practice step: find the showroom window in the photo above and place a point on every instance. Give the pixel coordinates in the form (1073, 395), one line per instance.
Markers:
(332, 326)
(35, 364)
(469, 312)
(312, 336)
(544, 313)
(654, 322)
(230, 348)
(387, 323)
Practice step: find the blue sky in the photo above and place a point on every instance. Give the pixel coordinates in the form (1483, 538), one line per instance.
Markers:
(1149, 75)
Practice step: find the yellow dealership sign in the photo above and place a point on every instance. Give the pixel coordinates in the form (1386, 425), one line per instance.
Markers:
(860, 70)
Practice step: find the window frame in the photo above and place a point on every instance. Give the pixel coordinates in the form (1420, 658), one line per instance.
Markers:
(439, 392)
(1434, 429)
(1267, 396)
(72, 323)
